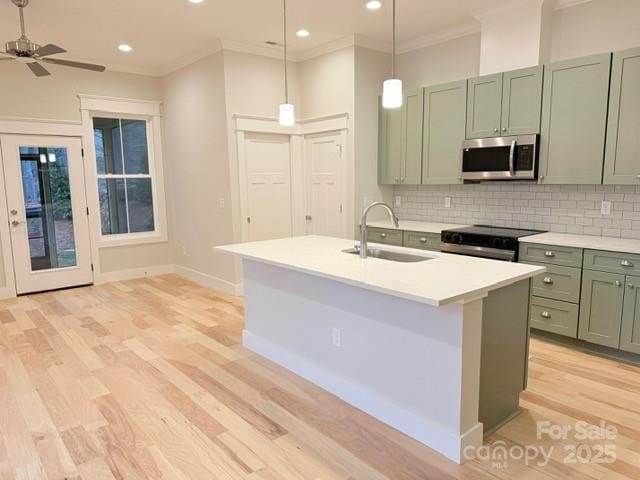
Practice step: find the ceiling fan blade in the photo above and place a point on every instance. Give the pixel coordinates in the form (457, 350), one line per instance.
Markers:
(7, 58)
(69, 63)
(49, 49)
(38, 70)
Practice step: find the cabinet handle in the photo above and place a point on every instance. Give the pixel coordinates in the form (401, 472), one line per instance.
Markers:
(383, 235)
(549, 254)
(423, 240)
(504, 129)
(618, 283)
(626, 263)
(541, 177)
(496, 130)
(631, 285)
(545, 315)
(397, 180)
(547, 280)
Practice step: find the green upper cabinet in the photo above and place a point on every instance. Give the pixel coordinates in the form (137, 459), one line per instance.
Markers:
(445, 108)
(484, 106)
(601, 308)
(412, 114)
(630, 335)
(622, 158)
(574, 118)
(522, 101)
(389, 145)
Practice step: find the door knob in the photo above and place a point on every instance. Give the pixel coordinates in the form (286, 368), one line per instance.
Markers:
(308, 218)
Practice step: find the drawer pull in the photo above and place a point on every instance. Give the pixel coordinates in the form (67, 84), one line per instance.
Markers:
(618, 283)
(547, 280)
(383, 235)
(626, 263)
(631, 285)
(546, 315)
(423, 239)
(549, 254)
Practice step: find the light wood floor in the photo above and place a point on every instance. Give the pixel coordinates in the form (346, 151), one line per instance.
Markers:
(148, 379)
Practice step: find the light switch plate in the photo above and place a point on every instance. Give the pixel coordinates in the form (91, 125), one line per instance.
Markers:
(222, 203)
(398, 200)
(447, 202)
(605, 209)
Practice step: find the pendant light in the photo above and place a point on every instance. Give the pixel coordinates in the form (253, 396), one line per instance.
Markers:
(287, 116)
(392, 89)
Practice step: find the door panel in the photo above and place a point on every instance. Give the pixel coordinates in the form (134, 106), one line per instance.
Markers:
(622, 159)
(630, 335)
(601, 308)
(324, 179)
(522, 101)
(484, 106)
(268, 186)
(389, 145)
(574, 117)
(412, 118)
(47, 212)
(445, 108)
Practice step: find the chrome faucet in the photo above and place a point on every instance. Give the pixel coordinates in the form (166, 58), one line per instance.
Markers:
(363, 225)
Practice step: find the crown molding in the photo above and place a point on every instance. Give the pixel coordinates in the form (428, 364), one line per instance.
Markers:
(439, 37)
(192, 58)
(562, 4)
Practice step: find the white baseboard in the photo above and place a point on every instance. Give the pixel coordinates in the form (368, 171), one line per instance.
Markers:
(133, 273)
(209, 281)
(7, 292)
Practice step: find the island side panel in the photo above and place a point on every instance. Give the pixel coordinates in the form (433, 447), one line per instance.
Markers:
(405, 363)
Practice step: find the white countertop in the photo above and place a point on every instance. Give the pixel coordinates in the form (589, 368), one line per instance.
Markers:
(622, 245)
(415, 226)
(441, 281)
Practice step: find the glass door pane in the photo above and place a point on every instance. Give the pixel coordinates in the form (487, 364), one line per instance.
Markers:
(47, 199)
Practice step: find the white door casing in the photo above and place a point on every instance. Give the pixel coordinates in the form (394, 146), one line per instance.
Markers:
(268, 182)
(33, 280)
(324, 177)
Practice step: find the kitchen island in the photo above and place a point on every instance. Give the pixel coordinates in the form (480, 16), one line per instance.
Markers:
(434, 348)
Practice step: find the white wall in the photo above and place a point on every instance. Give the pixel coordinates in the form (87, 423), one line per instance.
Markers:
(55, 98)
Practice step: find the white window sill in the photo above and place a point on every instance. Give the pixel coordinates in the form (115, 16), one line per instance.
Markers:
(130, 239)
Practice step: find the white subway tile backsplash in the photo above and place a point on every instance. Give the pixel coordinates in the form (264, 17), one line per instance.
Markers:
(555, 208)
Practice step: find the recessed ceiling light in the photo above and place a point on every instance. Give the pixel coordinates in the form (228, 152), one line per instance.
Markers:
(374, 5)
(302, 33)
(123, 47)
(196, 1)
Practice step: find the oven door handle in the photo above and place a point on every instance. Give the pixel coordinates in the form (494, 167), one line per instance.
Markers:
(512, 158)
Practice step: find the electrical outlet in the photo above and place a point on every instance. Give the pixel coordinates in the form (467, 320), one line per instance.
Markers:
(447, 202)
(222, 203)
(605, 209)
(398, 200)
(337, 337)
(185, 251)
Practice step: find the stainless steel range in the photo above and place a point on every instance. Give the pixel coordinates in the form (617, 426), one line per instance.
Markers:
(485, 241)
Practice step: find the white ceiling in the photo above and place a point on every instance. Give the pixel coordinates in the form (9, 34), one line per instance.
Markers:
(166, 34)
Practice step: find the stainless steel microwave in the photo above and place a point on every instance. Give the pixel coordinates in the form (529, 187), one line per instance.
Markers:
(501, 158)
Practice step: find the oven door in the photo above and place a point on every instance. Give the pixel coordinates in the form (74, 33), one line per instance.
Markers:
(500, 158)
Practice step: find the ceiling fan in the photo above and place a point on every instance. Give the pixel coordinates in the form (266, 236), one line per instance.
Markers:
(30, 53)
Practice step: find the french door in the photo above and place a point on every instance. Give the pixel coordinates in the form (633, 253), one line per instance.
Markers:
(47, 212)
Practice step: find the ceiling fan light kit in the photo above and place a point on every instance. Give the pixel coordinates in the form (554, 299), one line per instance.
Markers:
(30, 53)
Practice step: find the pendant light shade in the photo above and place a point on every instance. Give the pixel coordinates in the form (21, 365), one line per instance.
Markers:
(392, 95)
(287, 115)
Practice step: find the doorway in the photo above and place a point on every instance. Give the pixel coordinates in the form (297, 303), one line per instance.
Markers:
(47, 211)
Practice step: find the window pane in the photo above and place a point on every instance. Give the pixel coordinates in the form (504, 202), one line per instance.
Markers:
(113, 206)
(47, 198)
(108, 145)
(136, 154)
(140, 201)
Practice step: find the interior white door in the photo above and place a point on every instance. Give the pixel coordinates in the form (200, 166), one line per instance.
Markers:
(268, 167)
(324, 184)
(47, 212)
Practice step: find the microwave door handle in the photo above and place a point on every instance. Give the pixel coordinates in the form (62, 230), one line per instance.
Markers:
(512, 156)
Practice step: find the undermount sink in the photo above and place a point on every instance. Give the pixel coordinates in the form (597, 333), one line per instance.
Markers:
(390, 255)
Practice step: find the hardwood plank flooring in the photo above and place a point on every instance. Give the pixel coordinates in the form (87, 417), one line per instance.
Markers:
(147, 379)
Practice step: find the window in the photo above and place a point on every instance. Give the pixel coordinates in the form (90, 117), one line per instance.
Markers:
(125, 176)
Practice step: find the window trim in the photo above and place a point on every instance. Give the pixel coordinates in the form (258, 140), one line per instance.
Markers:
(148, 111)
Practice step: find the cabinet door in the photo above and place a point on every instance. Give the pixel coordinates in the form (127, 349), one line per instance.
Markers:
(412, 138)
(484, 106)
(601, 308)
(445, 109)
(522, 101)
(622, 158)
(630, 335)
(574, 117)
(389, 145)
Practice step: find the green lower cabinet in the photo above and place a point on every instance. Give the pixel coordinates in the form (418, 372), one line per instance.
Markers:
(554, 316)
(422, 241)
(558, 283)
(630, 334)
(386, 236)
(601, 308)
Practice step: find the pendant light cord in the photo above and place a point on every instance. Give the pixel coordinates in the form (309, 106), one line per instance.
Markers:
(393, 41)
(286, 75)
